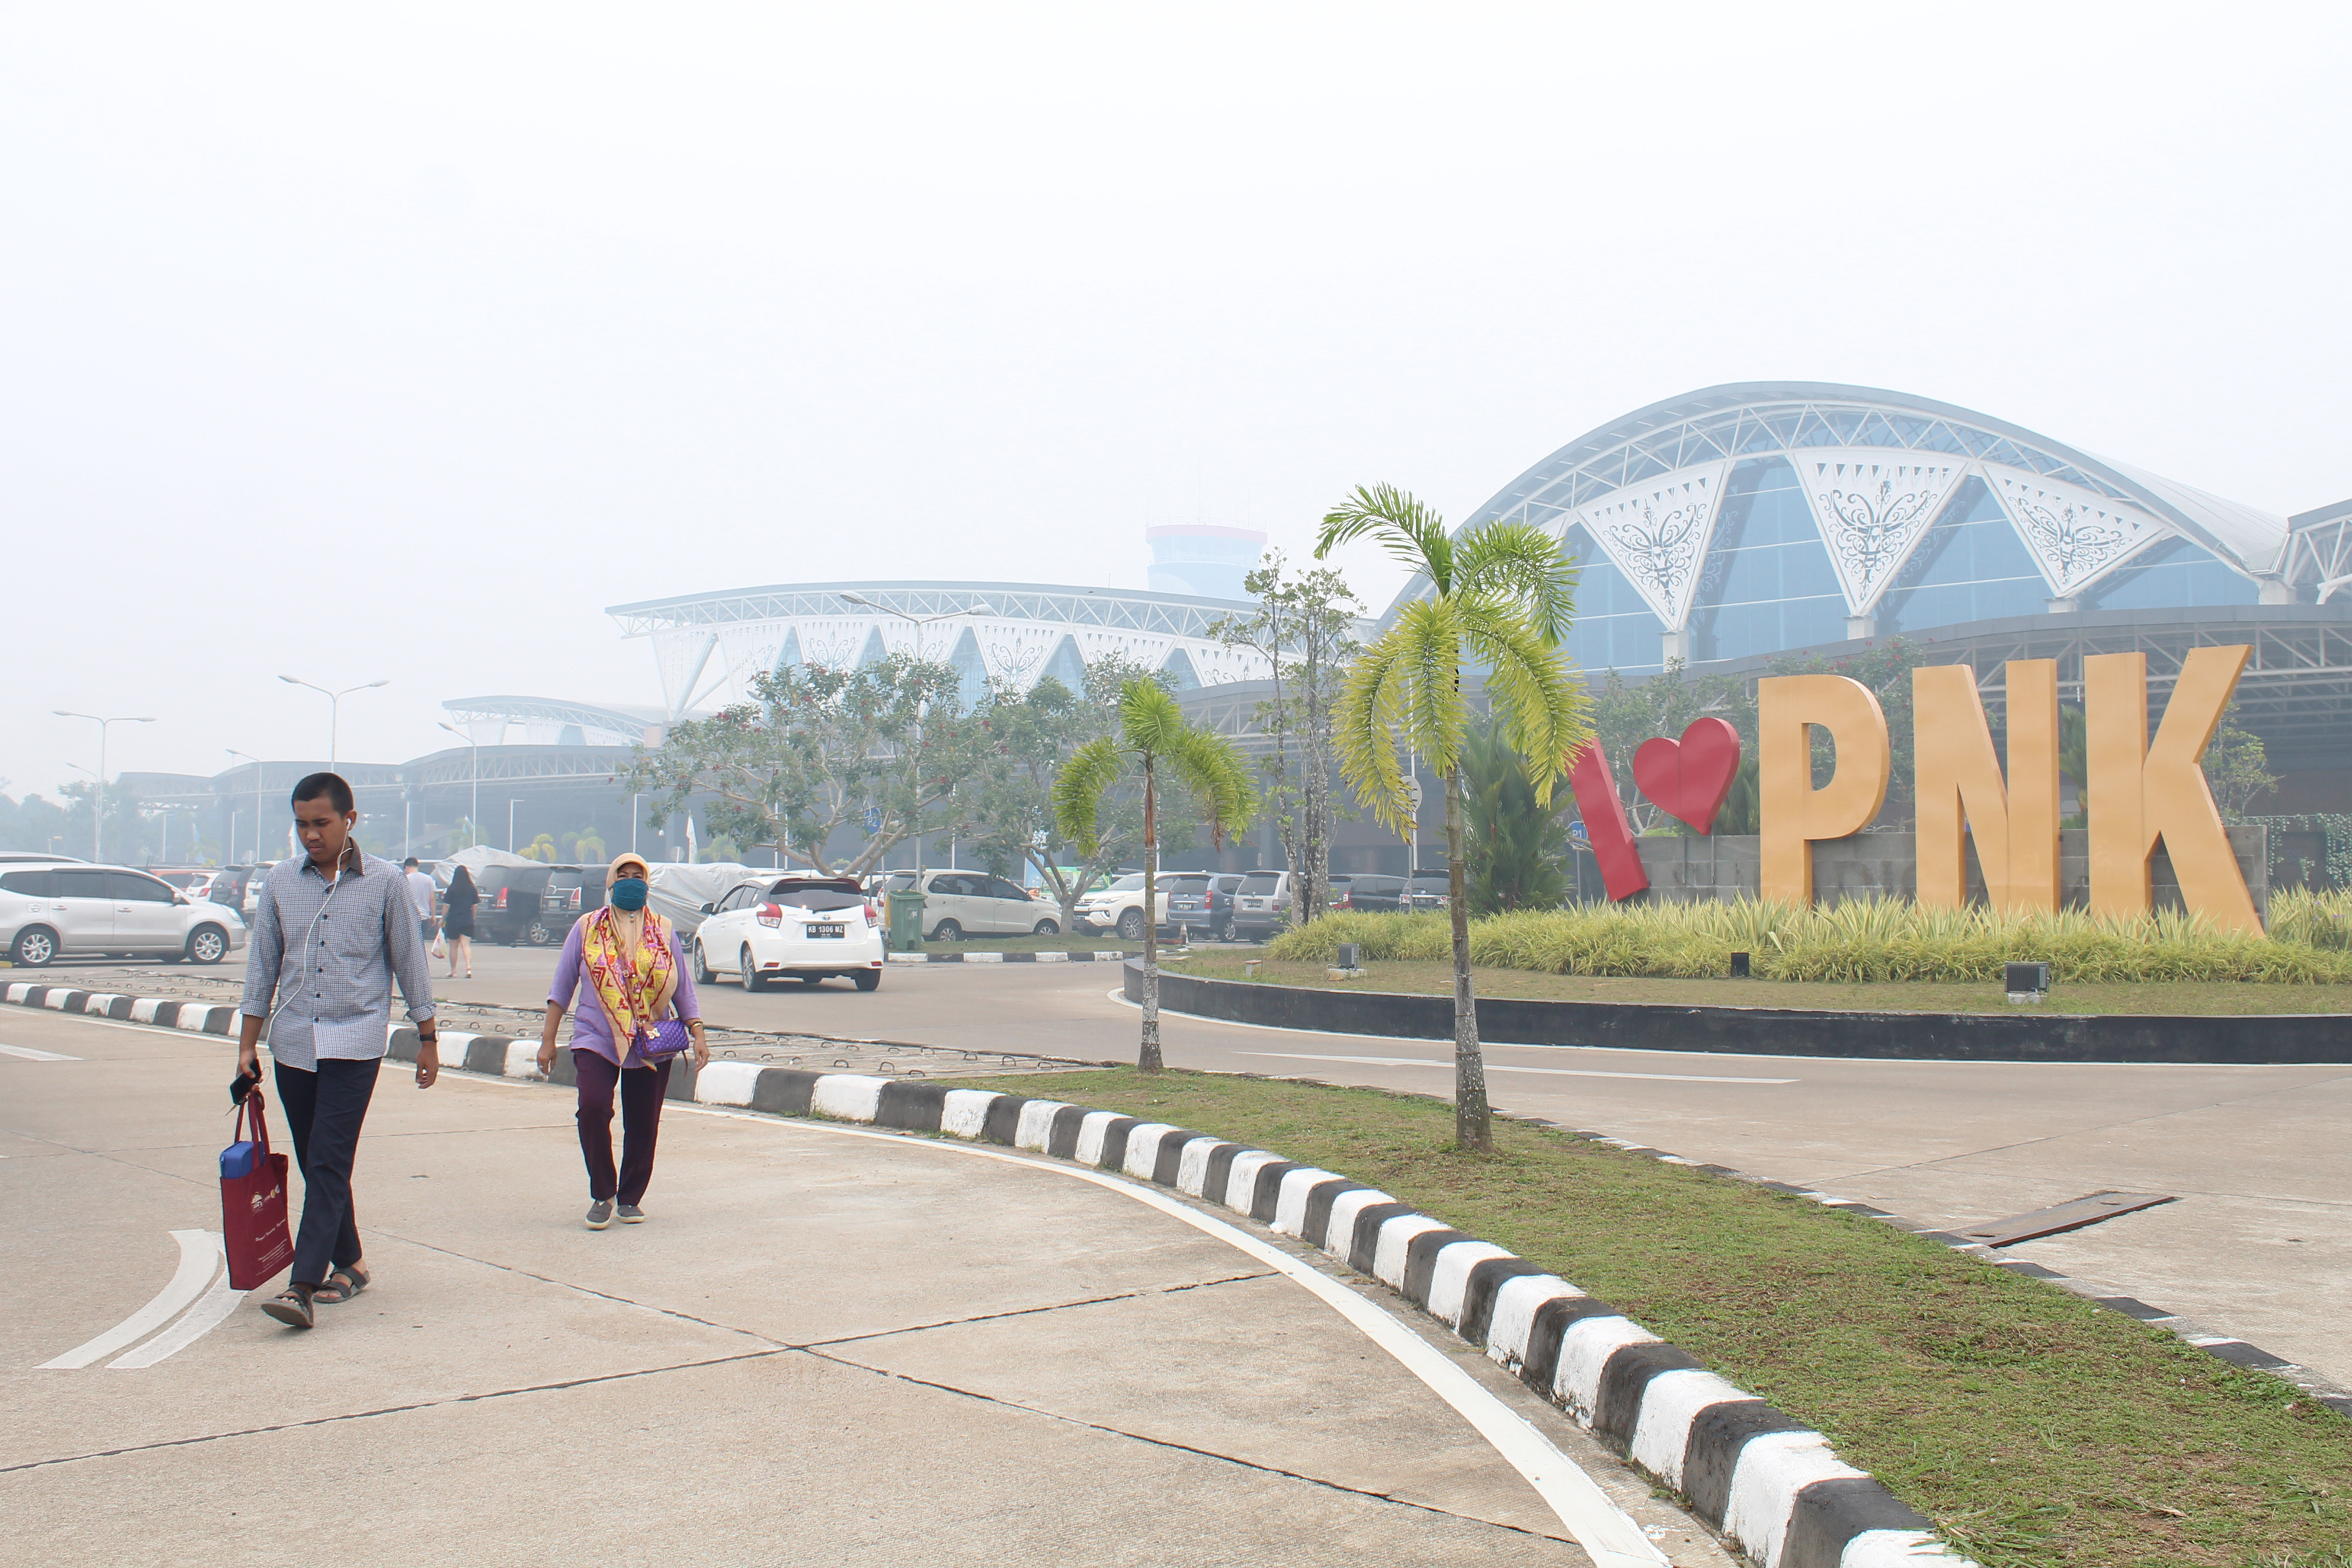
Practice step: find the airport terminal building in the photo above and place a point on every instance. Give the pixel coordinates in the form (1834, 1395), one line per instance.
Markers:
(1724, 530)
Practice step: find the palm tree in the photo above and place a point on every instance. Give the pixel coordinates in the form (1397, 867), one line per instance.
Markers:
(1503, 593)
(1152, 732)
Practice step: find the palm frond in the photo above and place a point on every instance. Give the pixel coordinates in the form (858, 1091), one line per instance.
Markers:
(1520, 565)
(1402, 691)
(1079, 792)
(1537, 698)
(1211, 768)
(1149, 718)
(1412, 534)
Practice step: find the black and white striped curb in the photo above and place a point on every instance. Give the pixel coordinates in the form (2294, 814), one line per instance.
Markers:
(196, 1017)
(984, 957)
(2223, 1347)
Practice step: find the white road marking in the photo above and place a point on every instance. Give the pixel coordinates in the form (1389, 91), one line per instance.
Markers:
(1507, 1067)
(200, 1255)
(201, 1319)
(29, 1054)
(1609, 1536)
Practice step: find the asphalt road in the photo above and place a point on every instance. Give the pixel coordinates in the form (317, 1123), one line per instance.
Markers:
(2260, 1245)
(826, 1347)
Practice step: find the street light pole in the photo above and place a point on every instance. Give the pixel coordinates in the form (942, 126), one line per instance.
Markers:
(97, 821)
(335, 712)
(233, 751)
(474, 821)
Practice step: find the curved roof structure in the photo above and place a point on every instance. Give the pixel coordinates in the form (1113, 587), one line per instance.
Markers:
(1832, 503)
(709, 645)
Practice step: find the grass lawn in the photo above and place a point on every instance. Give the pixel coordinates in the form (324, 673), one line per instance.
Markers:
(2035, 1428)
(2183, 997)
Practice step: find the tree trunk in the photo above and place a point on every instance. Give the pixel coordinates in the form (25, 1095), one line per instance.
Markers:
(1148, 1059)
(1472, 1130)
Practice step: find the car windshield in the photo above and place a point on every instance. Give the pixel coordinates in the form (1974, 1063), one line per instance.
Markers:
(1127, 884)
(899, 882)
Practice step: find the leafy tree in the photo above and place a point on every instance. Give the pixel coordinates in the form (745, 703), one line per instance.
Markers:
(1302, 625)
(879, 750)
(1517, 845)
(1005, 804)
(1503, 593)
(542, 849)
(1153, 738)
(35, 825)
(2236, 767)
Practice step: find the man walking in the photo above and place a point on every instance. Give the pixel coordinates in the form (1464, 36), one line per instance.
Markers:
(420, 888)
(332, 930)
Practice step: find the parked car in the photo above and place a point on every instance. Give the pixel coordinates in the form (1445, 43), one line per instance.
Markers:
(48, 912)
(1119, 906)
(804, 927)
(1207, 909)
(1431, 889)
(1372, 894)
(959, 903)
(571, 890)
(509, 911)
(194, 883)
(1261, 905)
(1221, 888)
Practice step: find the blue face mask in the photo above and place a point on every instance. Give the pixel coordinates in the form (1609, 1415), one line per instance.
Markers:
(629, 892)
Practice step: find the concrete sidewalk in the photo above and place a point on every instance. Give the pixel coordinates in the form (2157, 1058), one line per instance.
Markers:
(782, 1366)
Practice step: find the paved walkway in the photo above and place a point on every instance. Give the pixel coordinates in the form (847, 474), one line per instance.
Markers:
(823, 1349)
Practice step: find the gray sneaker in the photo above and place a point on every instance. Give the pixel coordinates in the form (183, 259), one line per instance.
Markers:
(600, 1214)
(632, 1215)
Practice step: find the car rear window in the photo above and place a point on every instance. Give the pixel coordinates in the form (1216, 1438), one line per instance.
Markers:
(818, 898)
(1262, 882)
(1375, 884)
(30, 884)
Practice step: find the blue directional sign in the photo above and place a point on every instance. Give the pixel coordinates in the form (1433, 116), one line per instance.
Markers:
(873, 820)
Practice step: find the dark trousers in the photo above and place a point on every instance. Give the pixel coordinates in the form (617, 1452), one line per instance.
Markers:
(642, 1090)
(324, 1111)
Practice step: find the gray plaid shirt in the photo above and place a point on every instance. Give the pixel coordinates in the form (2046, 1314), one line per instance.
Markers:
(347, 940)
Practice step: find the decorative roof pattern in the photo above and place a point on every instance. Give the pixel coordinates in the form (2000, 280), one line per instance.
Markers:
(1877, 468)
(708, 646)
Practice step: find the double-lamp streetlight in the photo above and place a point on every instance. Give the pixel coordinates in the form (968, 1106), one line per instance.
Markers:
(98, 823)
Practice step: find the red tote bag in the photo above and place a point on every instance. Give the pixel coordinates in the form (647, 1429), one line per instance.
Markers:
(253, 1203)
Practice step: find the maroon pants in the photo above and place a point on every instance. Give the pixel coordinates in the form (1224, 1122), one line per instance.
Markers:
(642, 1090)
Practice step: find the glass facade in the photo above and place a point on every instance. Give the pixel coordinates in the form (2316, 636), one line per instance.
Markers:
(1614, 629)
(2172, 575)
(1767, 583)
(1970, 567)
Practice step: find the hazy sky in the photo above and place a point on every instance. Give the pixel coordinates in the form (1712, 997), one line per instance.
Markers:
(401, 343)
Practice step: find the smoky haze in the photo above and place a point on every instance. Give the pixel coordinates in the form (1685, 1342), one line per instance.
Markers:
(399, 345)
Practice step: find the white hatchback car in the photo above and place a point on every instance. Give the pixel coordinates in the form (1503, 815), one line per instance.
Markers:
(804, 927)
(48, 912)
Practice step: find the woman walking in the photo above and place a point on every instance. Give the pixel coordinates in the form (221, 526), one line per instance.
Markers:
(457, 919)
(625, 958)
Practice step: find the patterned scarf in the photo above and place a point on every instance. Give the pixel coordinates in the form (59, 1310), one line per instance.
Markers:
(634, 995)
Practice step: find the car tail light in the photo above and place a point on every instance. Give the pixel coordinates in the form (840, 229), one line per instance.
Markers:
(771, 915)
(501, 903)
(873, 915)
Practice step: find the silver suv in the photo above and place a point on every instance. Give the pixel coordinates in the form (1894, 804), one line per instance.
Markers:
(1261, 905)
(47, 911)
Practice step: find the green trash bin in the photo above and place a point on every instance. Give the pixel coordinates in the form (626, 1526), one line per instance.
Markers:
(906, 920)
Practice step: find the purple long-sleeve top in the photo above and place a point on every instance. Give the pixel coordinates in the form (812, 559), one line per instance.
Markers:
(590, 1030)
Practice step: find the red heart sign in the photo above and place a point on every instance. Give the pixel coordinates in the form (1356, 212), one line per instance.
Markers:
(1689, 777)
